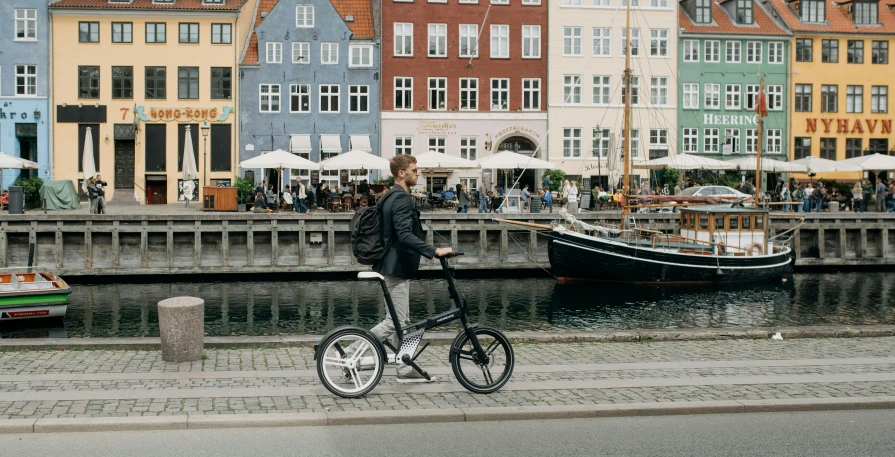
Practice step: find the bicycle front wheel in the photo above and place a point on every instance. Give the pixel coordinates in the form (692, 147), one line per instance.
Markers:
(350, 363)
(478, 376)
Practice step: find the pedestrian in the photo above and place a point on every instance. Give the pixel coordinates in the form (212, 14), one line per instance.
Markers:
(881, 196)
(548, 198)
(526, 199)
(818, 195)
(644, 188)
(890, 198)
(320, 195)
(301, 197)
(546, 182)
(677, 188)
(807, 201)
(857, 195)
(100, 194)
(91, 195)
(572, 206)
(462, 199)
(566, 186)
(311, 199)
(784, 197)
(496, 201)
(483, 199)
(665, 190)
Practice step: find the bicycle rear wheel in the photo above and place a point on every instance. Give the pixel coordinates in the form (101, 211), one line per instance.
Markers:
(350, 363)
(472, 373)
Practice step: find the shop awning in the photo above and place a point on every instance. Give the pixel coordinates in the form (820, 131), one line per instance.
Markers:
(300, 144)
(360, 143)
(331, 144)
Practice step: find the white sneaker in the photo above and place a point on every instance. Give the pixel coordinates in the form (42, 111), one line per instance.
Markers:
(412, 376)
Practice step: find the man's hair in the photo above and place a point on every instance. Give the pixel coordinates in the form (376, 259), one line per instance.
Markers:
(400, 162)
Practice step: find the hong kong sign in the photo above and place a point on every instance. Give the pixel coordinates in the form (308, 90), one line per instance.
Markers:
(883, 126)
(153, 114)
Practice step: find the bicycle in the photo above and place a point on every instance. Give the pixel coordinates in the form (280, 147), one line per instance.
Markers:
(350, 359)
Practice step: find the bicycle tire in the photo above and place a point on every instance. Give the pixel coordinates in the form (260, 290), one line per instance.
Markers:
(462, 350)
(332, 354)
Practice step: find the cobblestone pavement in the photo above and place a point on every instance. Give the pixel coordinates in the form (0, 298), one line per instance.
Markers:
(100, 383)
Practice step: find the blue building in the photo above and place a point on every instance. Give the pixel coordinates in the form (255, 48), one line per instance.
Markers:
(24, 88)
(309, 84)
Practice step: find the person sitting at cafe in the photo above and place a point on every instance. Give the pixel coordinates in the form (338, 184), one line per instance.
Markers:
(496, 202)
(260, 206)
(287, 198)
(330, 195)
(448, 195)
(363, 188)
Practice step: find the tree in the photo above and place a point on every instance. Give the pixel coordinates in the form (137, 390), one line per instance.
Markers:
(556, 178)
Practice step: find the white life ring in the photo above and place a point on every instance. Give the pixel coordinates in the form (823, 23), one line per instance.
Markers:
(755, 249)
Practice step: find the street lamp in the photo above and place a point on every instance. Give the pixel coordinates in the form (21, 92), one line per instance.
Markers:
(205, 128)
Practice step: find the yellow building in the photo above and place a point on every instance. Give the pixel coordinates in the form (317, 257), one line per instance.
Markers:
(841, 72)
(138, 75)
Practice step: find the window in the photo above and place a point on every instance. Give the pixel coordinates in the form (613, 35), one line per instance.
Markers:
(752, 96)
(301, 52)
(854, 99)
(775, 98)
(122, 82)
(878, 145)
(774, 142)
(531, 41)
(634, 4)
(691, 96)
(571, 142)
(469, 94)
(635, 42)
(602, 41)
(635, 90)
(299, 98)
(733, 95)
(221, 33)
(812, 11)
(601, 90)
(734, 49)
(329, 98)
(188, 82)
(703, 11)
(803, 97)
(469, 46)
(403, 39)
(753, 52)
(88, 32)
(437, 94)
(571, 41)
(601, 142)
(744, 11)
(879, 52)
(691, 140)
(304, 16)
(710, 144)
(403, 145)
(438, 143)
(122, 32)
(329, 53)
(500, 95)
(829, 98)
(775, 52)
(658, 90)
(865, 12)
(828, 148)
(853, 147)
(829, 51)
(403, 93)
(879, 99)
(855, 51)
(658, 139)
(531, 94)
(802, 147)
(500, 41)
(469, 147)
(189, 32)
(712, 51)
(26, 80)
(658, 42)
(221, 83)
(712, 96)
(360, 56)
(572, 89)
(751, 141)
(437, 40)
(635, 142)
(274, 52)
(88, 82)
(156, 83)
(691, 50)
(732, 139)
(269, 98)
(358, 99)
(26, 24)
(155, 32)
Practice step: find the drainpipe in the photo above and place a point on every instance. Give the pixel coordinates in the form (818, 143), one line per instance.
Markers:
(50, 115)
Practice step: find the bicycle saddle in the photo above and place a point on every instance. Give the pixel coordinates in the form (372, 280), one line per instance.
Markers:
(370, 275)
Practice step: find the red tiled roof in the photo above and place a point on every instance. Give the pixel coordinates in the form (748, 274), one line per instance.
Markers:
(228, 5)
(362, 27)
(725, 25)
(838, 21)
(251, 57)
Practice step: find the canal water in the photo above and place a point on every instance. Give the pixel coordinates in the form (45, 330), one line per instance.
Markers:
(314, 307)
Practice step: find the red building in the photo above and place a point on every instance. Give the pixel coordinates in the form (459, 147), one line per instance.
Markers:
(453, 86)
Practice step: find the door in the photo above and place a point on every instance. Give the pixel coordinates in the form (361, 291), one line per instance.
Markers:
(124, 164)
(157, 192)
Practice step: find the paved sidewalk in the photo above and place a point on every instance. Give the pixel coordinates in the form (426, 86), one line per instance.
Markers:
(701, 376)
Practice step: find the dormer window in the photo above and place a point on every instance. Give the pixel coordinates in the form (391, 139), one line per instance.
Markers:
(213, 2)
(744, 12)
(865, 13)
(703, 11)
(812, 11)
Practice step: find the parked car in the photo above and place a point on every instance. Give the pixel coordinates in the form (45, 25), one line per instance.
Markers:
(720, 191)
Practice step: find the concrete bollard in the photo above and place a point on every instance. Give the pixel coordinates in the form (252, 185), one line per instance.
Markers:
(181, 322)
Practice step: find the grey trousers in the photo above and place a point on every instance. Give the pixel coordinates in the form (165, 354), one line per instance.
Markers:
(399, 288)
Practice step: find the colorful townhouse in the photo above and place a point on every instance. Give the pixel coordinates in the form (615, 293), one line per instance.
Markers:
(466, 78)
(586, 82)
(137, 75)
(310, 85)
(24, 90)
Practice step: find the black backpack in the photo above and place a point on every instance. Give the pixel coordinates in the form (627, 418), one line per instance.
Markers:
(817, 193)
(366, 227)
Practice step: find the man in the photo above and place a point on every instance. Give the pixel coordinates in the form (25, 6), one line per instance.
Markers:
(546, 183)
(101, 194)
(665, 190)
(526, 199)
(818, 195)
(262, 189)
(301, 196)
(880, 196)
(403, 234)
(677, 188)
(363, 188)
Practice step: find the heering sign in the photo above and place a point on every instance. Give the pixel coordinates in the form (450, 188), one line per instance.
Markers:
(724, 119)
(849, 125)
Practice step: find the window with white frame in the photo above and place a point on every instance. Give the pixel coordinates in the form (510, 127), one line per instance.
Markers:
(437, 94)
(691, 95)
(635, 91)
(733, 95)
(531, 41)
(774, 143)
(734, 50)
(304, 16)
(691, 140)
(329, 98)
(854, 99)
(712, 96)
(658, 139)
(691, 50)
(635, 42)
(775, 52)
(658, 3)
(438, 143)
(635, 142)
(732, 139)
(751, 141)
(301, 52)
(712, 51)
(500, 2)
(274, 52)
(601, 2)
(469, 94)
(437, 40)
(602, 41)
(658, 43)
(500, 41)
(299, 98)
(403, 93)
(26, 24)
(360, 55)
(753, 52)
(472, 184)
(500, 94)
(571, 89)
(469, 46)
(403, 145)
(531, 94)
(26, 80)
(571, 143)
(658, 89)
(601, 142)
(602, 90)
(775, 98)
(752, 95)
(403, 39)
(571, 41)
(634, 4)
(710, 141)
(329, 53)
(358, 99)
(469, 147)
(269, 100)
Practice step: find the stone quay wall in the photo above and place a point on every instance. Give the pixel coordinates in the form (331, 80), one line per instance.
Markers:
(223, 243)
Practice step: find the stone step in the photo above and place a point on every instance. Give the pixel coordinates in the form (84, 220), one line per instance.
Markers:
(123, 197)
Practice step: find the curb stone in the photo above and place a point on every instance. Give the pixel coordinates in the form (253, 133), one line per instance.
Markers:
(110, 424)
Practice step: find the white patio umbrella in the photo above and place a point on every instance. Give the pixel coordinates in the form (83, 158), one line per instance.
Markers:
(872, 162)
(87, 162)
(280, 160)
(190, 172)
(8, 162)
(769, 165)
(818, 165)
(508, 160)
(687, 162)
(355, 160)
(436, 161)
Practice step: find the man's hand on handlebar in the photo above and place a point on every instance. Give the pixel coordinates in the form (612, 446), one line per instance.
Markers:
(443, 252)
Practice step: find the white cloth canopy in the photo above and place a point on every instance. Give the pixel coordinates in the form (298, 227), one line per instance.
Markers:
(818, 165)
(300, 144)
(355, 160)
(190, 171)
(331, 143)
(768, 165)
(87, 162)
(687, 162)
(436, 161)
(11, 162)
(508, 159)
(279, 159)
(872, 162)
(360, 143)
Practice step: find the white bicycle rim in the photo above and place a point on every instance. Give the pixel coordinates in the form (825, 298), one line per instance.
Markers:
(334, 366)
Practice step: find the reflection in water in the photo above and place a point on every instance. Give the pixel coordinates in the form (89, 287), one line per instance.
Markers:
(269, 308)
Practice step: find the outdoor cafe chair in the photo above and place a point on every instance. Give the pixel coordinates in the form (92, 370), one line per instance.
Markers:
(335, 204)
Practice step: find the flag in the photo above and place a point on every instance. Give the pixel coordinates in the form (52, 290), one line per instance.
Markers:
(761, 108)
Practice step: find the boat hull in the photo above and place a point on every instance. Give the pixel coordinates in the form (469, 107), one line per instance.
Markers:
(576, 257)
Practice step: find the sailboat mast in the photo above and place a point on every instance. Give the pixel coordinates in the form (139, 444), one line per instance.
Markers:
(626, 146)
(758, 192)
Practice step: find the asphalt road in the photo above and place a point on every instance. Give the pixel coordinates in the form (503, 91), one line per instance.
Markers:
(840, 433)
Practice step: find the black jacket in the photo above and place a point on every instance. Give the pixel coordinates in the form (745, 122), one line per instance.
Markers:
(403, 233)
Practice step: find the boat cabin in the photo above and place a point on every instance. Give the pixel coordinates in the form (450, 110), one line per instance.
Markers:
(732, 231)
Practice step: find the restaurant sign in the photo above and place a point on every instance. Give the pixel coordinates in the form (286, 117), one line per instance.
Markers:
(436, 128)
(151, 114)
(849, 125)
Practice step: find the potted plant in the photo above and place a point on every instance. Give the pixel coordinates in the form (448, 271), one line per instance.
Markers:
(31, 189)
(244, 189)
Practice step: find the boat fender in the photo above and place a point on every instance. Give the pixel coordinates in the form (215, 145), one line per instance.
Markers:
(755, 249)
